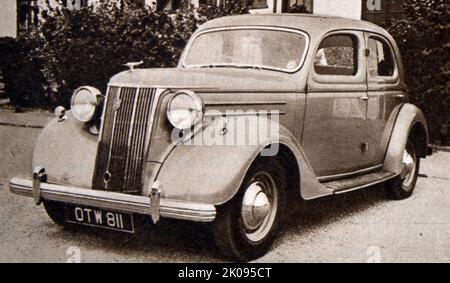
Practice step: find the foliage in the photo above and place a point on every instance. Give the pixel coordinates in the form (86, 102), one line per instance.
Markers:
(88, 46)
(71, 48)
(298, 9)
(423, 39)
(227, 8)
(21, 73)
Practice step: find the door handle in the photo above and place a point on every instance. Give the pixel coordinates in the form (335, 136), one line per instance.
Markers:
(399, 96)
(364, 98)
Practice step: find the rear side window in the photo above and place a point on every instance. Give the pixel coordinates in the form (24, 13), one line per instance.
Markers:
(381, 59)
(337, 55)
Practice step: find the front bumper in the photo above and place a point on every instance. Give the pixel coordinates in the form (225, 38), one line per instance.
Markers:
(114, 201)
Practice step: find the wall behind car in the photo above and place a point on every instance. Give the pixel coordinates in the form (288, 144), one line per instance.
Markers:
(339, 8)
(8, 23)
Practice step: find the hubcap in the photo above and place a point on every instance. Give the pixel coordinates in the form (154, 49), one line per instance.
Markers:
(259, 207)
(255, 207)
(409, 166)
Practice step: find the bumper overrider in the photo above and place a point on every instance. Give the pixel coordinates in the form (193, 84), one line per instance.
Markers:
(153, 205)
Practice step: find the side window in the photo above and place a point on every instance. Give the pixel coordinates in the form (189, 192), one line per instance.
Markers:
(337, 55)
(381, 59)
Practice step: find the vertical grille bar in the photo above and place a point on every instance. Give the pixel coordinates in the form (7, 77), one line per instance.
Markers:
(121, 151)
(104, 147)
(138, 134)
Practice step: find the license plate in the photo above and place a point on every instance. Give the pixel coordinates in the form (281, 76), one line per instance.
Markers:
(101, 218)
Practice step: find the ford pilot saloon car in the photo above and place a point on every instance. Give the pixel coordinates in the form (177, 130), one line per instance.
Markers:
(325, 111)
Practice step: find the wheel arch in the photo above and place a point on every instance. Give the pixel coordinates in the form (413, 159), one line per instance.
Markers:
(291, 166)
(410, 122)
(227, 167)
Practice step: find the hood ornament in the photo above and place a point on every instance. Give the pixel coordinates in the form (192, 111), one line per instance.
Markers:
(132, 65)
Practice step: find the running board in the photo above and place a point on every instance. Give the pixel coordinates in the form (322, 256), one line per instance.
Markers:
(359, 182)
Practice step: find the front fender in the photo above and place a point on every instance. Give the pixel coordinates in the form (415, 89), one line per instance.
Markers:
(213, 174)
(67, 151)
(410, 120)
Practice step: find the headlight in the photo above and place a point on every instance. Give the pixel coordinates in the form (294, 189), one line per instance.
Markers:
(84, 103)
(185, 110)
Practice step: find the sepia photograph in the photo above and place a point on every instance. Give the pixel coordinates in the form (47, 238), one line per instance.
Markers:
(224, 131)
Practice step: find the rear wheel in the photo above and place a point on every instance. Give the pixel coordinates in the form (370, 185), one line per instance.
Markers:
(402, 187)
(246, 227)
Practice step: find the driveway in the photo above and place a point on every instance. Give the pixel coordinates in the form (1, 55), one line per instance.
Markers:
(359, 227)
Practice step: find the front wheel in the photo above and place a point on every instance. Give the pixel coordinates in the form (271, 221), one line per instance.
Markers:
(402, 187)
(246, 227)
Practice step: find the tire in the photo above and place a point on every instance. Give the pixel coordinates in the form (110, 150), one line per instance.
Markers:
(402, 187)
(57, 211)
(245, 228)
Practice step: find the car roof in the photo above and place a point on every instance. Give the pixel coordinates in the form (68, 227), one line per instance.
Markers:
(308, 23)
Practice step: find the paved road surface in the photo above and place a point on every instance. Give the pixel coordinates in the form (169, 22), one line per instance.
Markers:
(358, 227)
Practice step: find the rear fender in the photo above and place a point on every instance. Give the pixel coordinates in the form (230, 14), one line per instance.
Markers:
(410, 123)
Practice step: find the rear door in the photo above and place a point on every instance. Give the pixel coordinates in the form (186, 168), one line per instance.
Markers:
(385, 93)
(336, 107)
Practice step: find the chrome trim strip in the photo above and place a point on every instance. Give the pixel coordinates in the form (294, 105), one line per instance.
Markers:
(169, 87)
(118, 96)
(242, 103)
(130, 132)
(325, 179)
(253, 113)
(105, 103)
(157, 94)
(182, 210)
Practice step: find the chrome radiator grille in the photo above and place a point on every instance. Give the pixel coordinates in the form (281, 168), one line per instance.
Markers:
(121, 152)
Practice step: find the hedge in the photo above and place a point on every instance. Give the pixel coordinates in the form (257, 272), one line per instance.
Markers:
(88, 46)
(21, 73)
(423, 39)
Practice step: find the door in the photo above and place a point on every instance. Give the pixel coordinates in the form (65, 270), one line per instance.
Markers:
(385, 93)
(336, 107)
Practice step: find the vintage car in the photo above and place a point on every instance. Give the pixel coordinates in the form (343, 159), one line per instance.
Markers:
(306, 105)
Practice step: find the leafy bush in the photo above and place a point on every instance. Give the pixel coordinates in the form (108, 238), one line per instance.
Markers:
(227, 8)
(21, 73)
(88, 46)
(299, 9)
(423, 39)
(71, 48)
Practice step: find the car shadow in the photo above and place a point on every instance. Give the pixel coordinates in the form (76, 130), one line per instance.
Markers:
(168, 241)
(314, 214)
(181, 241)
